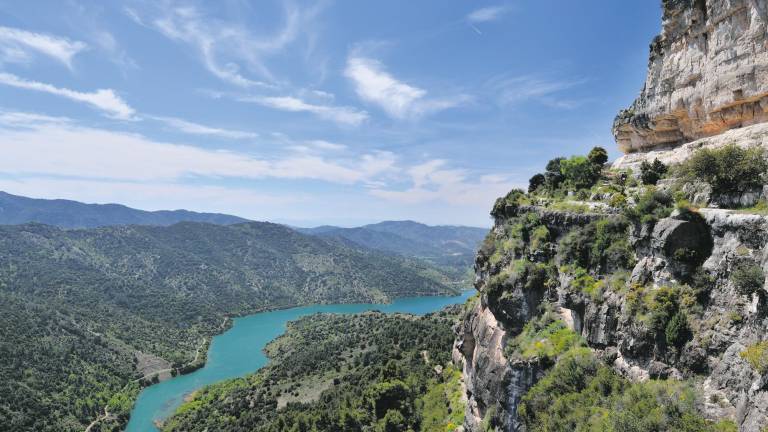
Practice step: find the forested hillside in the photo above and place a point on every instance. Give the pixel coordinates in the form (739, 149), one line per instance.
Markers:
(83, 312)
(342, 373)
(16, 209)
(448, 246)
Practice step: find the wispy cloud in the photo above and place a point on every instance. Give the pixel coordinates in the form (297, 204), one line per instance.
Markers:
(433, 181)
(105, 100)
(83, 152)
(198, 129)
(375, 85)
(515, 90)
(338, 114)
(224, 46)
(15, 46)
(491, 13)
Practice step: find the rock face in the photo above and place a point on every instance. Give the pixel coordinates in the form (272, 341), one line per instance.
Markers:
(728, 322)
(707, 73)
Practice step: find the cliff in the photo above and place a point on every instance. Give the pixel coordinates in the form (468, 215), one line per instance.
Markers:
(617, 314)
(707, 73)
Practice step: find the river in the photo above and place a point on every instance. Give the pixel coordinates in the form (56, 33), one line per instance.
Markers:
(238, 352)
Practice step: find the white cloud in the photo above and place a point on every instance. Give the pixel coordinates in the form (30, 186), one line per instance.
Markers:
(339, 114)
(45, 147)
(432, 182)
(325, 145)
(514, 90)
(15, 44)
(198, 129)
(224, 46)
(375, 85)
(105, 100)
(486, 14)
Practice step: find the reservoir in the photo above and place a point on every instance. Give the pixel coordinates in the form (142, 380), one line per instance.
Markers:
(238, 352)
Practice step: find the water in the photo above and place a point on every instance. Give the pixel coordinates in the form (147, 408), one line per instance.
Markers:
(238, 352)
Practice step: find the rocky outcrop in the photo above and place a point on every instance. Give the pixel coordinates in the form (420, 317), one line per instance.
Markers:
(728, 322)
(756, 135)
(707, 73)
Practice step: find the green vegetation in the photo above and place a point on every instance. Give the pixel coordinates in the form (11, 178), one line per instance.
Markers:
(651, 205)
(544, 338)
(748, 277)
(729, 169)
(757, 356)
(82, 309)
(582, 394)
(601, 246)
(651, 173)
(341, 373)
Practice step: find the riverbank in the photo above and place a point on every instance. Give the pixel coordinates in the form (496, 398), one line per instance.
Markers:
(238, 351)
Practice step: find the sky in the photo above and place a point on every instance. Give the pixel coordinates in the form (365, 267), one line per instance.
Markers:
(309, 113)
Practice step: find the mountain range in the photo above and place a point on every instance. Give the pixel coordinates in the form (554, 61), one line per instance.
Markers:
(16, 209)
(450, 247)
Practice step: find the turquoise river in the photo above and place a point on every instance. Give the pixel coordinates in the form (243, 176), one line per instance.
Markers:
(238, 352)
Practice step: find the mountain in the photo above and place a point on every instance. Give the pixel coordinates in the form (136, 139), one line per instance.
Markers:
(448, 246)
(85, 313)
(16, 209)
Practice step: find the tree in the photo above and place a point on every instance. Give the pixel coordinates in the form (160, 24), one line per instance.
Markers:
(598, 156)
(535, 182)
(553, 174)
(729, 169)
(651, 173)
(579, 172)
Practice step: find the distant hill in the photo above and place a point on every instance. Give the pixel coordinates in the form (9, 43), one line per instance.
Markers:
(95, 304)
(447, 246)
(16, 209)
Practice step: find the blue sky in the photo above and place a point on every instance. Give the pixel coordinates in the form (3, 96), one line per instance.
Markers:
(328, 112)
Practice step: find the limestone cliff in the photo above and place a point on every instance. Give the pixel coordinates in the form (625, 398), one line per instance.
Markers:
(707, 73)
(724, 323)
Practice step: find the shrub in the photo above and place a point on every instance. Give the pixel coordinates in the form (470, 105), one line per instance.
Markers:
(618, 200)
(598, 156)
(729, 169)
(553, 175)
(581, 394)
(579, 172)
(545, 338)
(651, 206)
(757, 356)
(651, 173)
(748, 277)
(514, 198)
(536, 182)
(678, 332)
(601, 246)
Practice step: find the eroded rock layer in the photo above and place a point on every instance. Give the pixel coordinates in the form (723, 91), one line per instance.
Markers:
(707, 73)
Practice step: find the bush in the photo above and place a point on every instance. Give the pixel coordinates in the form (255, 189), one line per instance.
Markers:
(748, 277)
(602, 246)
(554, 175)
(579, 172)
(514, 198)
(651, 173)
(729, 169)
(581, 394)
(536, 182)
(678, 332)
(757, 356)
(598, 156)
(651, 206)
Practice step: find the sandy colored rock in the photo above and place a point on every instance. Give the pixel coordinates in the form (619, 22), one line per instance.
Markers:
(707, 73)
